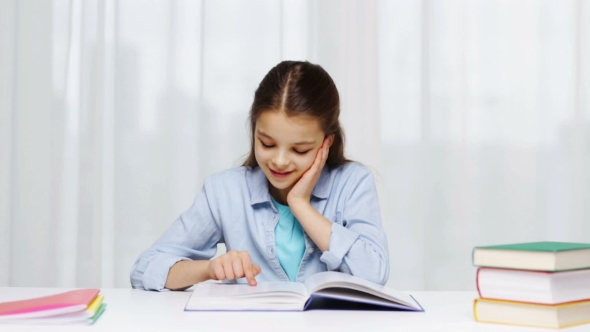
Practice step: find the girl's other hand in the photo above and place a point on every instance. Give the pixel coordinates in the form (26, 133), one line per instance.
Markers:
(233, 265)
(302, 190)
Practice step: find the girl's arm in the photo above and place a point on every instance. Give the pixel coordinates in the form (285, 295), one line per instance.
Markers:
(184, 274)
(192, 237)
(355, 244)
(181, 257)
(231, 265)
(318, 227)
(313, 222)
(358, 244)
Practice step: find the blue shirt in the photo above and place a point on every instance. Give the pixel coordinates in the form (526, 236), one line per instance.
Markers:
(234, 207)
(289, 240)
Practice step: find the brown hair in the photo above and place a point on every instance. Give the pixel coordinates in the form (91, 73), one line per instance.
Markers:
(300, 88)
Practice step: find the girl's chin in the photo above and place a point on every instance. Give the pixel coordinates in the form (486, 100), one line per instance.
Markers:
(280, 185)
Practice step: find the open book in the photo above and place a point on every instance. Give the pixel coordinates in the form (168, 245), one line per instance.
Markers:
(342, 289)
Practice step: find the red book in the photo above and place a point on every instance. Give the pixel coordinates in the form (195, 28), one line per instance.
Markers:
(62, 303)
(533, 286)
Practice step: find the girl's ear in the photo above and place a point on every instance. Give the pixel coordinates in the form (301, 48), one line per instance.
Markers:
(330, 140)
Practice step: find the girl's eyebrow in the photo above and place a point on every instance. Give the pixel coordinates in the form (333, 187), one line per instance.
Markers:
(298, 143)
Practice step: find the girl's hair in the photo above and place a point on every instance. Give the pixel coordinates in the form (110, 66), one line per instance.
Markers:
(300, 88)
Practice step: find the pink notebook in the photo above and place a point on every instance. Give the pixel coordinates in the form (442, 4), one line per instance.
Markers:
(62, 303)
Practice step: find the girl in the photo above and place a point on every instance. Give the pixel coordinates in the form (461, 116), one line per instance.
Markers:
(296, 207)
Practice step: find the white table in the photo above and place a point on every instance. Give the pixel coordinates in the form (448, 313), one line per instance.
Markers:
(135, 310)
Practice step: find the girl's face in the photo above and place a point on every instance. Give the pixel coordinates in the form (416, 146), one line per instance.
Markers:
(285, 147)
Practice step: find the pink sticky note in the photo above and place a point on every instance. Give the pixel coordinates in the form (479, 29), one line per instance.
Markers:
(54, 304)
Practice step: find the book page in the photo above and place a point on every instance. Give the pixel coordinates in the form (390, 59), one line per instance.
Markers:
(334, 280)
(264, 296)
(244, 290)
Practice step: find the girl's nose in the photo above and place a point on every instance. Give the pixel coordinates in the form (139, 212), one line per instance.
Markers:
(280, 160)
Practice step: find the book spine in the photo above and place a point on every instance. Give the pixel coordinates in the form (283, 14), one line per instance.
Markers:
(477, 282)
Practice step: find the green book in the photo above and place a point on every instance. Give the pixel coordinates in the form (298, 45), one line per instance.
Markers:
(537, 256)
(98, 313)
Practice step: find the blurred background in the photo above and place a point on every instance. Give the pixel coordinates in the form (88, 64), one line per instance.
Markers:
(474, 116)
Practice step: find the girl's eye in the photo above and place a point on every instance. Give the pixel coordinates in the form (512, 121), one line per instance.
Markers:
(301, 152)
(266, 146)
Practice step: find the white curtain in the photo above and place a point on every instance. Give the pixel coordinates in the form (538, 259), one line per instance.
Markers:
(474, 115)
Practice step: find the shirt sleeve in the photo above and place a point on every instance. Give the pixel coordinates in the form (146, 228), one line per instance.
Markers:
(194, 235)
(358, 245)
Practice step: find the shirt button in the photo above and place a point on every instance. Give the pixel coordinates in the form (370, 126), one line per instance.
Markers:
(310, 250)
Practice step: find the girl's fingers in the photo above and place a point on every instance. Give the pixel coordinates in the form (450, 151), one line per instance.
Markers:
(248, 269)
(234, 265)
(250, 277)
(319, 161)
(320, 158)
(323, 156)
(219, 274)
(237, 268)
(229, 271)
(325, 149)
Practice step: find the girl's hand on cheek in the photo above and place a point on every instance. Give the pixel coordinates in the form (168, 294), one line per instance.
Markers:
(233, 265)
(302, 190)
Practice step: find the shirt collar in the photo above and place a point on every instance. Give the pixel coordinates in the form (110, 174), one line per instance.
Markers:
(258, 186)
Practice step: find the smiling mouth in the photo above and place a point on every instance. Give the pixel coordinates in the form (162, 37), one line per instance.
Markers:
(280, 174)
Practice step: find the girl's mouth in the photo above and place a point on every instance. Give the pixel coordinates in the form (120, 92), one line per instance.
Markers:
(280, 175)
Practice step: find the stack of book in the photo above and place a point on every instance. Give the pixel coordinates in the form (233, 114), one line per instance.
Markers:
(542, 284)
(82, 306)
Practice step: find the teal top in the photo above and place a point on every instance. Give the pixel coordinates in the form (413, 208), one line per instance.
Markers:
(289, 240)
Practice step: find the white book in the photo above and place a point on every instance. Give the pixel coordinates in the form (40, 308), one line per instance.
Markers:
(316, 292)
